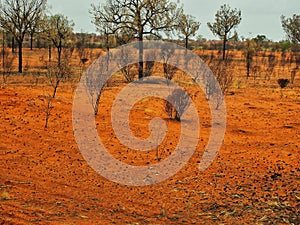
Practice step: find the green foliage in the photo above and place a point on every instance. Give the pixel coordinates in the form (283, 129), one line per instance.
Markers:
(187, 27)
(226, 20)
(5, 196)
(58, 29)
(292, 27)
(136, 18)
(285, 46)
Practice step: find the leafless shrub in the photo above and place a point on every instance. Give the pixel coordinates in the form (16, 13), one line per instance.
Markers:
(169, 108)
(177, 103)
(149, 63)
(128, 69)
(149, 66)
(222, 71)
(283, 61)
(255, 71)
(166, 55)
(129, 72)
(293, 74)
(213, 90)
(216, 86)
(196, 69)
(271, 64)
(56, 74)
(7, 65)
(37, 76)
(96, 81)
(296, 60)
(249, 50)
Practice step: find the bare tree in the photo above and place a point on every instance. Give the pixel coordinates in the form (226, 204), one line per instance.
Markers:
(140, 17)
(17, 16)
(249, 51)
(167, 53)
(56, 74)
(271, 64)
(34, 29)
(223, 73)
(58, 30)
(96, 81)
(226, 19)
(187, 27)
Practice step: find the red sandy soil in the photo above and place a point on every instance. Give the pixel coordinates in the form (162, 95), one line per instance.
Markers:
(255, 178)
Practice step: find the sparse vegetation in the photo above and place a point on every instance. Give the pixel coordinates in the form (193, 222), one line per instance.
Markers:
(7, 64)
(56, 74)
(5, 196)
(44, 178)
(177, 103)
(282, 84)
(18, 16)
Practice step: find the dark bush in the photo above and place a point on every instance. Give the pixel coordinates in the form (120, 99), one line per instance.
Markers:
(181, 102)
(283, 82)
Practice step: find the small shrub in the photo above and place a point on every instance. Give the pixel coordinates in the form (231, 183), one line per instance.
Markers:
(7, 65)
(128, 69)
(5, 196)
(283, 82)
(181, 102)
(169, 70)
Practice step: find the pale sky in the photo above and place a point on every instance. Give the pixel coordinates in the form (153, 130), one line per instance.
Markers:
(258, 16)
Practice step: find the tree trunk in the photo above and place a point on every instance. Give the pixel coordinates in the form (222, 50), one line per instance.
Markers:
(248, 65)
(13, 45)
(224, 47)
(108, 56)
(31, 41)
(3, 51)
(177, 116)
(20, 56)
(141, 57)
(59, 50)
(49, 53)
(59, 55)
(186, 42)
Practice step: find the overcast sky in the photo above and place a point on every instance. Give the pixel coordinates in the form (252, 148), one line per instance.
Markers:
(258, 16)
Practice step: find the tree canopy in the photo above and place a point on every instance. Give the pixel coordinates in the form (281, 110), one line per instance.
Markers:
(292, 27)
(138, 18)
(187, 27)
(18, 16)
(226, 19)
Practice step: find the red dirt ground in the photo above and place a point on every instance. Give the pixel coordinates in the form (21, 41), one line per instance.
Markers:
(255, 178)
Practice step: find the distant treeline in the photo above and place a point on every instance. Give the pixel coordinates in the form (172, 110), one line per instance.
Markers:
(91, 40)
